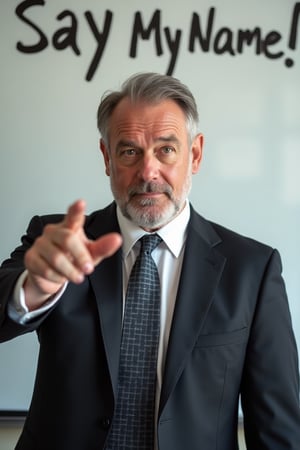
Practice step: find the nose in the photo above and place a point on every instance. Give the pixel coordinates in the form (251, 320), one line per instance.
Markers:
(149, 167)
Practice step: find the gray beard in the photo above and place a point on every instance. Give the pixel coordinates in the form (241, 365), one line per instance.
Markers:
(144, 216)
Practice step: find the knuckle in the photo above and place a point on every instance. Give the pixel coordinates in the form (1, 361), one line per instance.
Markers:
(68, 240)
(49, 228)
(38, 242)
(57, 260)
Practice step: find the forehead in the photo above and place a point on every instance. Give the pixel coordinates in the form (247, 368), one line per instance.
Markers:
(165, 117)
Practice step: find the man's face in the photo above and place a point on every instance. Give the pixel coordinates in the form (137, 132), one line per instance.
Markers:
(150, 161)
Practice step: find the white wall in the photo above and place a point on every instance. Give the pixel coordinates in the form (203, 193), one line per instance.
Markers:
(249, 107)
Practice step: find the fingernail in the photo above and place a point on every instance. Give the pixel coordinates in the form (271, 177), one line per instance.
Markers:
(88, 268)
(79, 278)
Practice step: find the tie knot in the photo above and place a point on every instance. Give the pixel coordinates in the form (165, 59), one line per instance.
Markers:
(149, 242)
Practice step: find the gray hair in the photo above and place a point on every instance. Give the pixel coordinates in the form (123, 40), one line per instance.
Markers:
(153, 88)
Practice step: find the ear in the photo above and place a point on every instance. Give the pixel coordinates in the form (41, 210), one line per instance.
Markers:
(197, 147)
(105, 153)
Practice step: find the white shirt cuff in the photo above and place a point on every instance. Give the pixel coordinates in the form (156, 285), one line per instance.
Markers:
(17, 308)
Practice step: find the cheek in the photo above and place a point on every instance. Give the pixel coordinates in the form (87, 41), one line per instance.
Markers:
(176, 176)
(122, 178)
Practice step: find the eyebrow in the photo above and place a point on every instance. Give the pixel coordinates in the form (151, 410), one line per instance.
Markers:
(125, 144)
(130, 143)
(169, 138)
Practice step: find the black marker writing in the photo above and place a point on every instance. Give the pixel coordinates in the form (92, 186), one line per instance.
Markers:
(293, 34)
(201, 37)
(66, 36)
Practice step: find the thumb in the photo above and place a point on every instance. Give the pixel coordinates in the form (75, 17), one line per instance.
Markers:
(104, 246)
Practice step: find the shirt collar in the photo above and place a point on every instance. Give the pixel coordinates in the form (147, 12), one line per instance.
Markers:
(173, 233)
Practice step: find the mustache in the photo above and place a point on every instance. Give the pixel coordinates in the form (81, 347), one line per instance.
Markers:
(150, 187)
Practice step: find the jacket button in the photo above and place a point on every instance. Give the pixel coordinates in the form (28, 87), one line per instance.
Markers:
(105, 423)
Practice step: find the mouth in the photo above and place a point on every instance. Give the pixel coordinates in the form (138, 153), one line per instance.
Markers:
(147, 199)
(149, 194)
(150, 191)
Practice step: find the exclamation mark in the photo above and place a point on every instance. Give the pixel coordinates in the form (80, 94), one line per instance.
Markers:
(289, 62)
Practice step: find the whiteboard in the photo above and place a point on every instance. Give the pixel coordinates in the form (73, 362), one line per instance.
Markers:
(240, 59)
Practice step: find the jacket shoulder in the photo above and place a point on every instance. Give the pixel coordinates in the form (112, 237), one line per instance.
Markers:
(227, 240)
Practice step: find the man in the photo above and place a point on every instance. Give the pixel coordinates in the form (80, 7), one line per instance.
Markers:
(225, 327)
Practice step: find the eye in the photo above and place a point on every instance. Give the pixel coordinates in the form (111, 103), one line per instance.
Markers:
(128, 155)
(168, 154)
(129, 152)
(168, 150)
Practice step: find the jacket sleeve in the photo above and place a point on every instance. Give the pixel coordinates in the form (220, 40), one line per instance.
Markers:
(270, 386)
(10, 271)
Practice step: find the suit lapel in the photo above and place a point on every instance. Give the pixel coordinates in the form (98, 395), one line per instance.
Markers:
(106, 282)
(201, 272)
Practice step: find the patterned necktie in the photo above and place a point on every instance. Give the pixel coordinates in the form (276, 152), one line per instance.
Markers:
(133, 424)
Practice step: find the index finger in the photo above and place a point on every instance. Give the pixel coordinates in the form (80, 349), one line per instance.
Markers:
(75, 217)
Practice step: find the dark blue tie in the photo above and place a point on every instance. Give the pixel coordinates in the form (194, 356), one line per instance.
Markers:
(133, 424)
